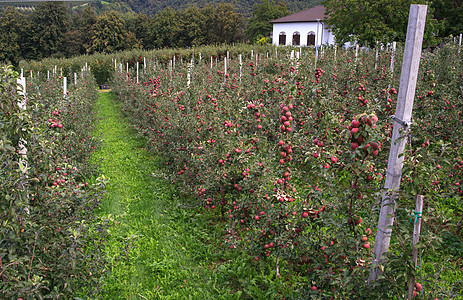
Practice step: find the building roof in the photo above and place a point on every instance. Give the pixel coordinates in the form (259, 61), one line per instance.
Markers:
(308, 15)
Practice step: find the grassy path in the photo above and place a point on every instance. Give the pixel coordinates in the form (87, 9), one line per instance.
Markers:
(154, 247)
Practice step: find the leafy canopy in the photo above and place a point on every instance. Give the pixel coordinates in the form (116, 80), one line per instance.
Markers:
(259, 25)
(369, 21)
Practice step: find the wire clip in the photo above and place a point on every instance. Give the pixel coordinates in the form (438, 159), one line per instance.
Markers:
(403, 123)
(417, 215)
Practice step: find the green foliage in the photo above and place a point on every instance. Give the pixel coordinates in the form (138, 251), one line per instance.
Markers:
(450, 13)
(50, 21)
(157, 248)
(368, 22)
(110, 35)
(51, 244)
(292, 163)
(259, 25)
(10, 23)
(245, 8)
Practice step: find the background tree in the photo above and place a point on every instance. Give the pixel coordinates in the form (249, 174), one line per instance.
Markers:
(259, 25)
(223, 24)
(139, 24)
(50, 21)
(110, 34)
(83, 25)
(369, 21)
(192, 25)
(450, 13)
(10, 36)
(164, 28)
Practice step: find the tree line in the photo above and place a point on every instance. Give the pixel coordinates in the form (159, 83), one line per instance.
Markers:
(51, 31)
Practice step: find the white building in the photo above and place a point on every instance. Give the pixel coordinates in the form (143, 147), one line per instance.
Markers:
(304, 28)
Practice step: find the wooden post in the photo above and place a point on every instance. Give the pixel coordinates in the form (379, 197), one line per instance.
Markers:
(225, 70)
(459, 44)
(416, 238)
(138, 66)
(411, 61)
(211, 61)
(394, 47)
(75, 78)
(188, 76)
(65, 86)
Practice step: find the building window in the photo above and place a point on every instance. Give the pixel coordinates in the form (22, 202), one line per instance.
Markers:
(311, 39)
(296, 38)
(282, 38)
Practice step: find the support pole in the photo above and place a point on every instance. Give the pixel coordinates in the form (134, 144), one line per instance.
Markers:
(416, 239)
(459, 43)
(411, 61)
(394, 47)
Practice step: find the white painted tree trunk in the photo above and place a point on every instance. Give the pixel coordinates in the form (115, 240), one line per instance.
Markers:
(65, 86)
(459, 43)
(138, 67)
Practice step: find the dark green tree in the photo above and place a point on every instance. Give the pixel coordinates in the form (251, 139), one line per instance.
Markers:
(191, 26)
(450, 13)
(139, 24)
(50, 21)
(11, 22)
(223, 24)
(83, 28)
(259, 25)
(369, 21)
(164, 28)
(110, 34)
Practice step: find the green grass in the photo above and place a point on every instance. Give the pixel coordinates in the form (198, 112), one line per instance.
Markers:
(157, 250)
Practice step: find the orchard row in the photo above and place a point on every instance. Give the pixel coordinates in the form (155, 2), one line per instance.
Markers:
(292, 159)
(50, 240)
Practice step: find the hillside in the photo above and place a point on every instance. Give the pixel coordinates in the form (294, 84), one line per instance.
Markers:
(151, 7)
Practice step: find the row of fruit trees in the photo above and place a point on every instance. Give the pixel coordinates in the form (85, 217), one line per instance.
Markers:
(51, 242)
(290, 159)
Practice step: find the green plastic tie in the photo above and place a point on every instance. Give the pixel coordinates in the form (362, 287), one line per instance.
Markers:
(417, 215)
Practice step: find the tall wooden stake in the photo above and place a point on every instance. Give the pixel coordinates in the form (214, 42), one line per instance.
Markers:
(411, 61)
(459, 43)
(394, 47)
(416, 239)
(65, 86)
